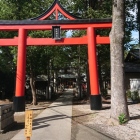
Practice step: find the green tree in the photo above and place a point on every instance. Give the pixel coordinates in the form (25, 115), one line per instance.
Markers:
(22, 10)
(7, 73)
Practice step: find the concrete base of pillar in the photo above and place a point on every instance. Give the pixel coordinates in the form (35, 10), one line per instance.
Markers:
(95, 102)
(19, 104)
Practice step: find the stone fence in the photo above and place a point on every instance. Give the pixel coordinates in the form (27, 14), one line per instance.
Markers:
(6, 116)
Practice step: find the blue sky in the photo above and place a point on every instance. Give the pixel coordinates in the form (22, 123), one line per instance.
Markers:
(135, 36)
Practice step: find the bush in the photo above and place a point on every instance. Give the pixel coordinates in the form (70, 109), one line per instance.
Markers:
(133, 95)
(128, 93)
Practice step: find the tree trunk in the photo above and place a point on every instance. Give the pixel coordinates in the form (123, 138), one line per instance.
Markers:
(55, 87)
(101, 87)
(32, 84)
(138, 16)
(118, 95)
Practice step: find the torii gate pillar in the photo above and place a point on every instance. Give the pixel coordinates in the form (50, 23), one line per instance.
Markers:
(95, 97)
(19, 99)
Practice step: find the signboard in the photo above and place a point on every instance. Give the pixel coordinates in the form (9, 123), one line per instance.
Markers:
(56, 32)
(28, 123)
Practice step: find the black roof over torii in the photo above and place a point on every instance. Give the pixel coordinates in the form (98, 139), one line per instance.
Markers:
(49, 10)
(39, 20)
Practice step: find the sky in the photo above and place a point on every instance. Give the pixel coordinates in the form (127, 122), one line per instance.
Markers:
(135, 36)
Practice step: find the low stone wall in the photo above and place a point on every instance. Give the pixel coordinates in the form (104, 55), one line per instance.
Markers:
(6, 116)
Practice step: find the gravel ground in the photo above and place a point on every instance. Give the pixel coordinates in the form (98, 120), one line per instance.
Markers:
(100, 121)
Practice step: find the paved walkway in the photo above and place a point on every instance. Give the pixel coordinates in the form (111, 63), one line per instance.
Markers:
(55, 123)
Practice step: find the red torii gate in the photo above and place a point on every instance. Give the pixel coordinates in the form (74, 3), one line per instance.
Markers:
(38, 23)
